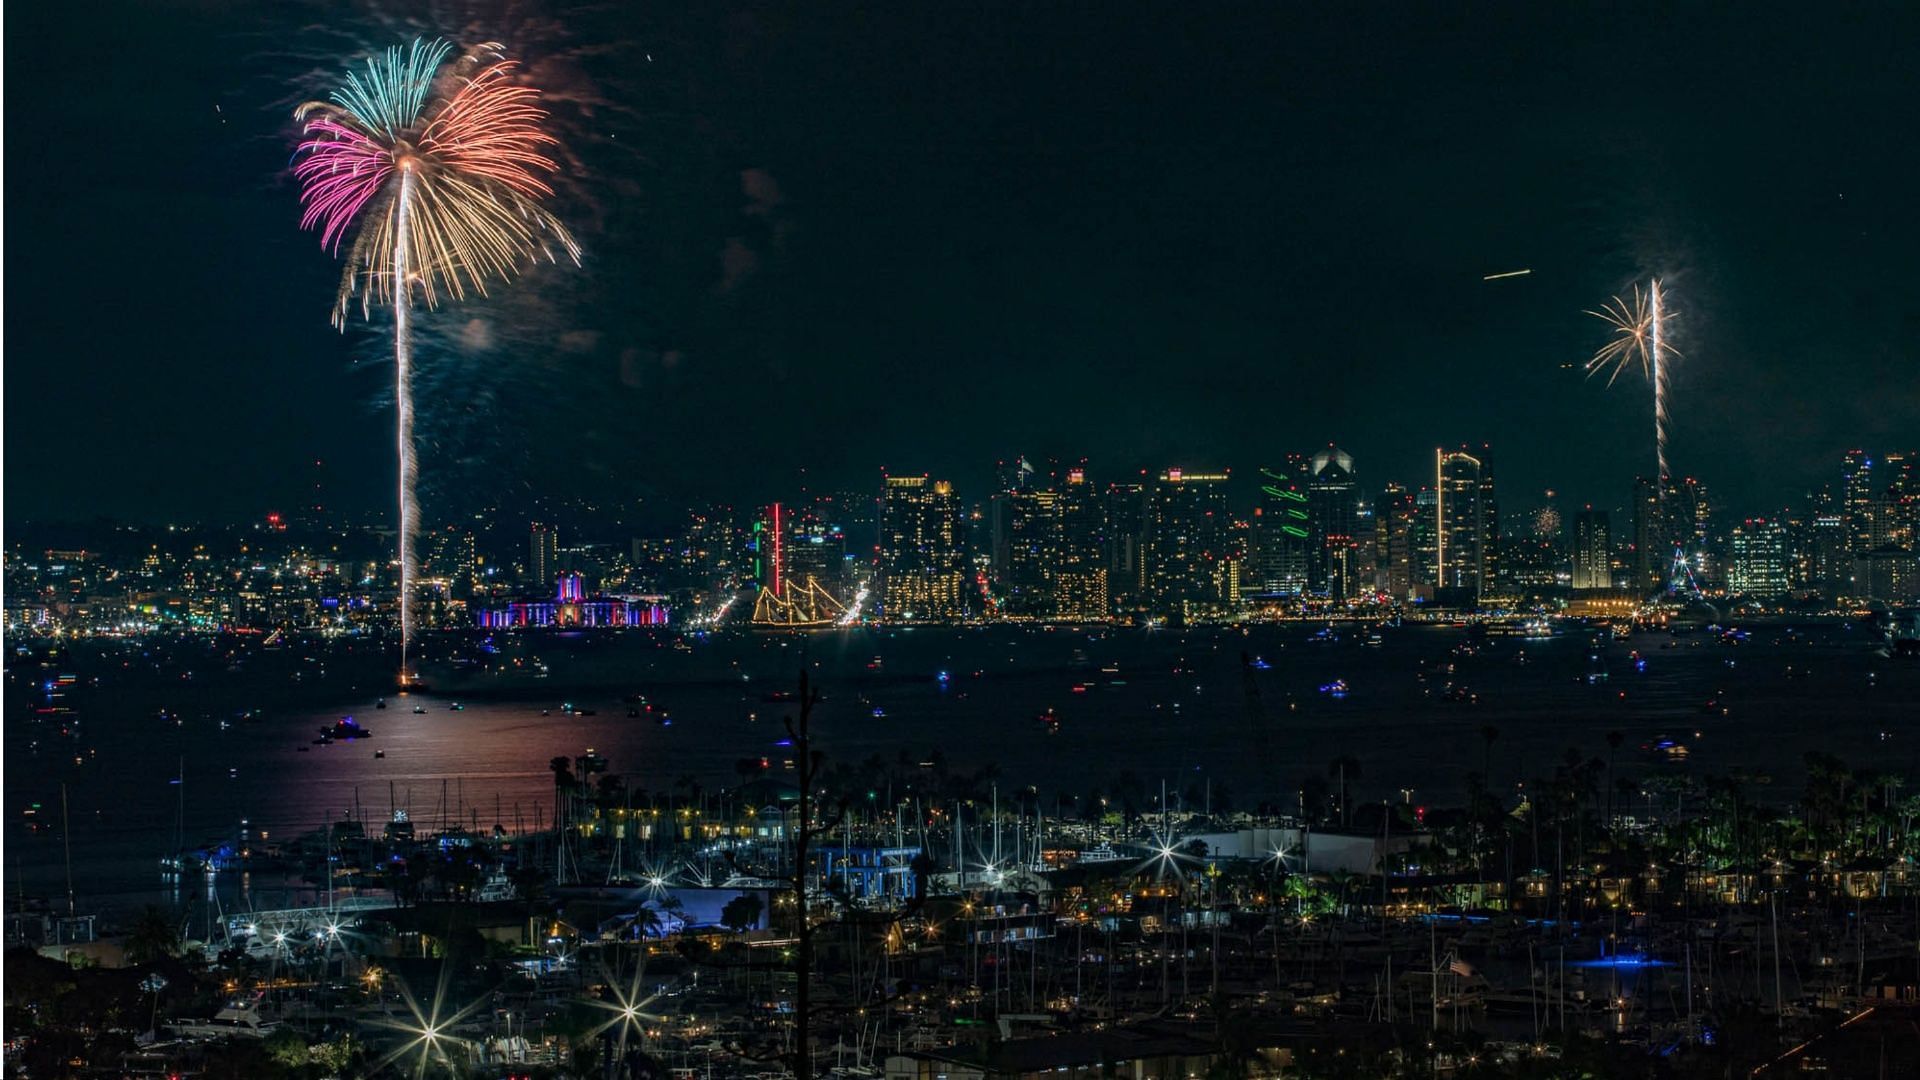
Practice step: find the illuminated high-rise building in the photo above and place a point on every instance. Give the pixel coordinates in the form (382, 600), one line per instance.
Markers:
(1592, 550)
(1024, 561)
(451, 557)
(1189, 556)
(1333, 520)
(1890, 575)
(1281, 532)
(543, 554)
(1398, 526)
(922, 550)
(1652, 553)
(856, 516)
(1424, 539)
(1760, 567)
(1126, 544)
(1466, 524)
(1825, 558)
(1079, 559)
(1011, 478)
(1894, 514)
(1856, 499)
(817, 549)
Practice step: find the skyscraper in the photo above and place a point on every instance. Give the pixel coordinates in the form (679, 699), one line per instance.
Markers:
(1024, 556)
(1760, 567)
(1126, 544)
(1188, 555)
(1399, 525)
(1827, 558)
(1281, 531)
(1333, 524)
(1011, 478)
(1651, 552)
(1467, 524)
(543, 554)
(856, 515)
(1894, 514)
(1424, 540)
(922, 554)
(1592, 550)
(1856, 498)
(1079, 560)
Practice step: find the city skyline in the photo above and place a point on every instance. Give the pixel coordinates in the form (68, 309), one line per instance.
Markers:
(1050, 542)
(1009, 541)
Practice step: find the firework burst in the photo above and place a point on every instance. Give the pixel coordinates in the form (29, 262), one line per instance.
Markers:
(1639, 340)
(433, 171)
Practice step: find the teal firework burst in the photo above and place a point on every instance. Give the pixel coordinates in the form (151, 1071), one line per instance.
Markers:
(395, 89)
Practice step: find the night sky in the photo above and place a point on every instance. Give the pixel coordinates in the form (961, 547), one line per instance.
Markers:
(927, 237)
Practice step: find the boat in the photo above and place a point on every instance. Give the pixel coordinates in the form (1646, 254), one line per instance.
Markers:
(1596, 669)
(419, 710)
(496, 889)
(1050, 720)
(344, 728)
(380, 703)
(379, 753)
(242, 1018)
(456, 707)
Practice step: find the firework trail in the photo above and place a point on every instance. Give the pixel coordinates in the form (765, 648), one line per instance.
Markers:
(434, 171)
(1639, 341)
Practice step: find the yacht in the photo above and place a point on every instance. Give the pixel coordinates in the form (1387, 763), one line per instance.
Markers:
(497, 888)
(240, 1018)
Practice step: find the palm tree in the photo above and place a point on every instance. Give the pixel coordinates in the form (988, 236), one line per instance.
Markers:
(1488, 735)
(152, 936)
(740, 913)
(648, 923)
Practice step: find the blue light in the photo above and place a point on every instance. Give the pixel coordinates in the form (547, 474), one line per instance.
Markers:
(1623, 960)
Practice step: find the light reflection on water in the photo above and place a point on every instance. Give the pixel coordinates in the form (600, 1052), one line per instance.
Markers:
(1177, 708)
